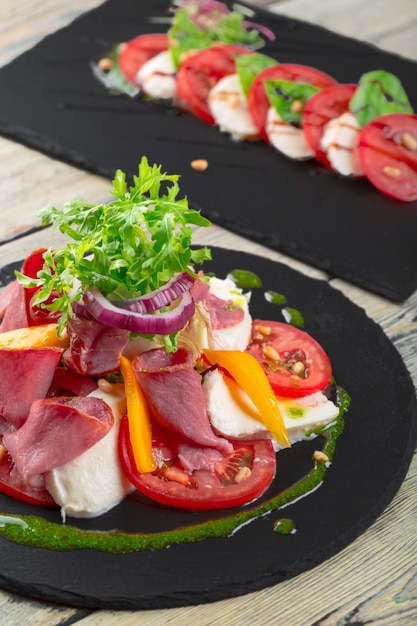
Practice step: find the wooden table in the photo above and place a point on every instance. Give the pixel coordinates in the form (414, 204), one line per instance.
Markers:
(375, 578)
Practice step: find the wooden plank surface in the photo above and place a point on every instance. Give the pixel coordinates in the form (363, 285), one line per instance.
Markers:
(374, 580)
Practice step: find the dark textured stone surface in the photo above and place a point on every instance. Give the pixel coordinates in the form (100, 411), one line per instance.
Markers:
(51, 101)
(371, 460)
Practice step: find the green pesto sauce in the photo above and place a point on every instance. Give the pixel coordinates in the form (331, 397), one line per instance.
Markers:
(275, 298)
(296, 412)
(295, 317)
(244, 279)
(285, 526)
(35, 531)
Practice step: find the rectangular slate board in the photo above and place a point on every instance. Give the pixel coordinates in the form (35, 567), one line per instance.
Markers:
(51, 101)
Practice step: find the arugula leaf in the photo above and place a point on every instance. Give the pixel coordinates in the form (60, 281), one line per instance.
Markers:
(378, 93)
(289, 98)
(126, 248)
(197, 25)
(248, 66)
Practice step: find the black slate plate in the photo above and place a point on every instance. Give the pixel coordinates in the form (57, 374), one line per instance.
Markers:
(372, 457)
(51, 101)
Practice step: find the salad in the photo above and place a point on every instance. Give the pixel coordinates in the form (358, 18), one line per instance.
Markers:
(208, 63)
(125, 366)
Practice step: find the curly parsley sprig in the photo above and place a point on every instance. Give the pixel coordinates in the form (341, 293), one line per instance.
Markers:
(126, 248)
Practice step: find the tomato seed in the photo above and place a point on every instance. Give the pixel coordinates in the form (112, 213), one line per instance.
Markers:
(409, 141)
(296, 106)
(392, 172)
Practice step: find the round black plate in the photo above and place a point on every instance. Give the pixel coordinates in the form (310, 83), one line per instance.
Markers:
(372, 457)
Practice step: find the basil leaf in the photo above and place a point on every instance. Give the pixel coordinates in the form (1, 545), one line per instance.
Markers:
(289, 98)
(107, 71)
(378, 93)
(248, 66)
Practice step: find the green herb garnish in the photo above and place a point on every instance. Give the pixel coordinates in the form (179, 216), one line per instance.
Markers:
(289, 98)
(126, 248)
(198, 25)
(248, 66)
(378, 93)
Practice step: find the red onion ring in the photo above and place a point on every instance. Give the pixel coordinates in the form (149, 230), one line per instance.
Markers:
(164, 323)
(163, 296)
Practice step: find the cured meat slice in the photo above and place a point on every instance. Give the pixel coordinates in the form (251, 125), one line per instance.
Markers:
(223, 313)
(25, 375)
(14, 313)
(56, 431)
(173, 391)
(94, 348)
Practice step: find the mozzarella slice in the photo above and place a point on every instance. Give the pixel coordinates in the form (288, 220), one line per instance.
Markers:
(233, 415)
(229, 107)
(156, 77)
(340, 143)
(235, 337)
(93, 483)
(287, 138)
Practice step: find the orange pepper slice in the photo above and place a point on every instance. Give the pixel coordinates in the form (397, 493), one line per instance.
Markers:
(42, 336)
(139, 420)
(250, 376)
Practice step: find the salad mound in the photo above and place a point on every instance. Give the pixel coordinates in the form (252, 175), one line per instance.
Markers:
(125, 368)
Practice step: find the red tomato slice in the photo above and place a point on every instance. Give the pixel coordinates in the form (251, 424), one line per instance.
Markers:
(325, 105)
(12, 485)
(292, 346)
(136, 52)
(36, 315)
(202, 490)
(258, 100)
(200, 71)
(388, 153)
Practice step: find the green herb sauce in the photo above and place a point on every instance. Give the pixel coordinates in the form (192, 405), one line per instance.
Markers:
(285, 526)
(32, 530)
(244, 279)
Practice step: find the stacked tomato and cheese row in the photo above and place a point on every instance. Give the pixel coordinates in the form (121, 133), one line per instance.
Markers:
(355, 130)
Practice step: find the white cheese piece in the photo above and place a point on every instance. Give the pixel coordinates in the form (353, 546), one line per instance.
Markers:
(340, 143)
(199, 335)
(156, 77)
(93, 483)
(235, 337)
(232, 413)
(229, 107)
(287, 138)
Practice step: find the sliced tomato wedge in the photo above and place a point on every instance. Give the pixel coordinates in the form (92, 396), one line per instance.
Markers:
(258, 100)
(36, 315)
(202, 490)
(294, 363)
(200, 71)
(12, 485)
(327, 104)
(136, 52)
(388, 153)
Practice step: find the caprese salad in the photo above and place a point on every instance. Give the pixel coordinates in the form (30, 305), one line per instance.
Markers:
(208, 63)
(123, 368)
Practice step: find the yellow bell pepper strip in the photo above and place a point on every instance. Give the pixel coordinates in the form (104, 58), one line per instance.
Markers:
(250, 376)
(139, 420)
(42, 336)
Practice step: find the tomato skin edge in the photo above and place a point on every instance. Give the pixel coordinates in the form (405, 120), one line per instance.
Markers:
(264, 471)
(293, 338)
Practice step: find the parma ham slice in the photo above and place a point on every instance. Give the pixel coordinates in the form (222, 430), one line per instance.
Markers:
(173, 391)
(94, 348)
(56, 431)
(25, 375)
